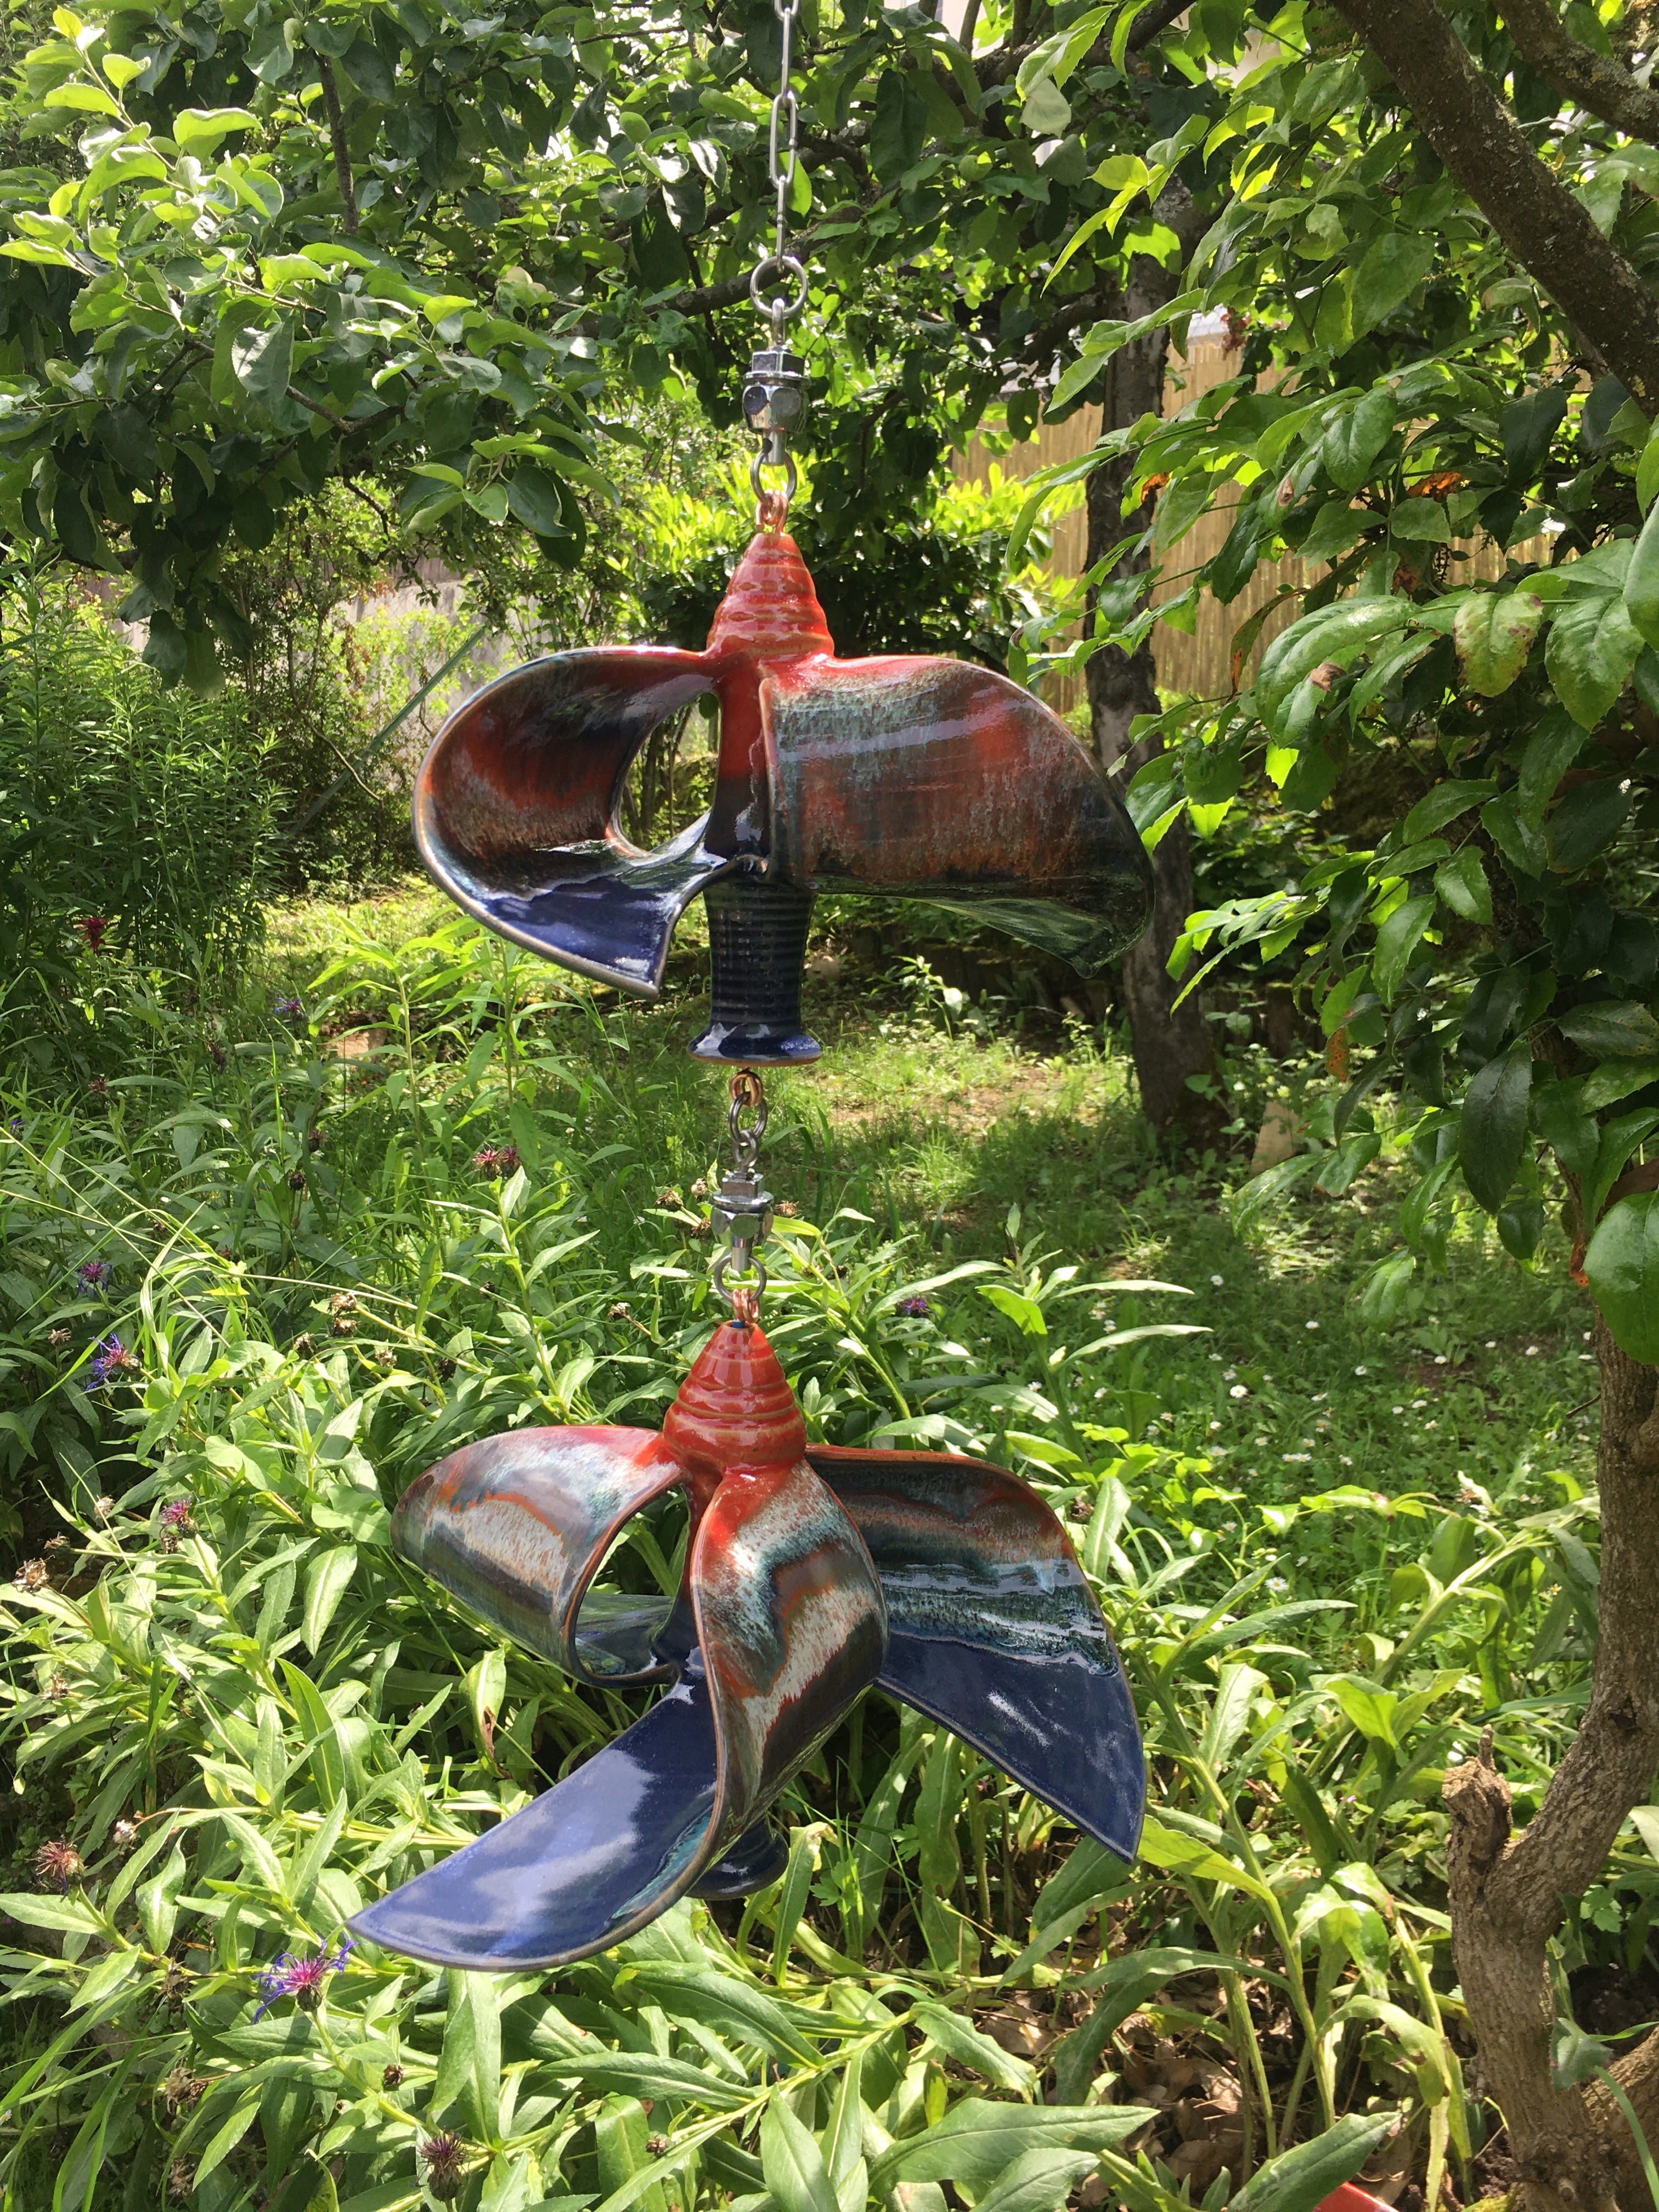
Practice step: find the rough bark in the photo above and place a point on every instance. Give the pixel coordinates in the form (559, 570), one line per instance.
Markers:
(1170, 1043)
(1603, 86)
(1572, 2147)
(1547, 229)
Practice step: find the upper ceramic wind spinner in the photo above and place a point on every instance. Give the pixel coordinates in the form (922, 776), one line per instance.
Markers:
(901, 776)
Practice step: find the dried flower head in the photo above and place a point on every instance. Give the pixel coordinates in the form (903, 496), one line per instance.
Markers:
(385, 1356)
(314, 1140)
(787, 1210)
(305, 1344)
(391, 2077)
(621, 1311)
(124, 1835)
(54, 1545)
(302, 1979)
(104, 1507)
(58, 1338)
(296, 1180)
(445, 2158)
(215, 1053)
(181, 2089)
(699, 1188)
(670, 1197)
(656, 2145)
(57, 1865)
(98, 1088)
(445, 1369)
(58, 1687)
(1081, 1509)
(31, 1576)
(343, 1307)
(181, 2181)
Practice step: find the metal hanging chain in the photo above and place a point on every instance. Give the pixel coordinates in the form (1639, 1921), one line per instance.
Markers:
(773, 397)
(780, 261)
(743, 1207)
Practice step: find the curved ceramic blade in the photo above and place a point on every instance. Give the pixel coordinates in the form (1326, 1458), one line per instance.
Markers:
(938, 779)
(514, 805)
(993, 1629)
(516, 1528)
(790, 1623)
(590, 1860)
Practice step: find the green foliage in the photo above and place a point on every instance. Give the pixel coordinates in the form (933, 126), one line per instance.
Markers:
(246, 1714)
(122, 806)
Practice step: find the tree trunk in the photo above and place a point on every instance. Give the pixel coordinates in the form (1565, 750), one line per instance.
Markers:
(1170, 1043)
(1571, 2147)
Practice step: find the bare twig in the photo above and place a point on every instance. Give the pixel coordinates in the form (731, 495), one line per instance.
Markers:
(1594, 81)
(337, 140)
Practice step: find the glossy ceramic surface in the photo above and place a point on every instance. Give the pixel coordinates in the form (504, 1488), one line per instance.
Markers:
(911, 776)
(811, 1573)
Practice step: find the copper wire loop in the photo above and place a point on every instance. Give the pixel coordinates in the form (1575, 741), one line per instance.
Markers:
(746, 1088)
(744, 1306)
(773, 510)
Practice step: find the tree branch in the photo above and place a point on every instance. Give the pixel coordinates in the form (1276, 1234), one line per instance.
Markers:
(1603, 86)
(337, 140)
(1549, 231)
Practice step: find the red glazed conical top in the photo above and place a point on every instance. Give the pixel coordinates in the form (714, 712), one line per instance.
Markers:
(770, 606)
(735, 1408)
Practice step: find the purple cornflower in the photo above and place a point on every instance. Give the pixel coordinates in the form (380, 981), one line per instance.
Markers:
(93, 1276)
(916, 1308)
(112, 1357)
(288, 1010)
(16, 1125)
(445, 2158)
(175, 1514)
(302, 1979)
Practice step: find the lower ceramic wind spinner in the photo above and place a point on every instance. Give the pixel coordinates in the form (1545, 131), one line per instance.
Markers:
(812, 1572)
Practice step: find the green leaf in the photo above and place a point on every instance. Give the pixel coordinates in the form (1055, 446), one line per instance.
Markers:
(1461, 883)
(1414, 521)
(976, 2140)
(1107, 339)
(1441, 805)
(326, 1581)
(1493, 1133)
(67, 1913)
(199, 130)
(1302, 2178)
(1586, 821)
(1337, 634)
(1356, 438)
(1493, 632)
(1038, 2181)
(958, 2039)
(263, 361)
(898, 125)
(1397, 941)
(537, 501)
(1622, 1266)
(1394, 266)
(1616, 1028)
(1550, 752)
(1642, 577)
(1592, 649)
(1616, 1079)
(1520, 844)
(793, 2163)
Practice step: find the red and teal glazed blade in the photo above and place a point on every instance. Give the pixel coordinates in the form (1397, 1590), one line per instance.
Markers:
(992, 1629)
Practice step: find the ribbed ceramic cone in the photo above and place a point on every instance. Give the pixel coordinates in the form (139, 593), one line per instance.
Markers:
(769, 604)
(735, 1408)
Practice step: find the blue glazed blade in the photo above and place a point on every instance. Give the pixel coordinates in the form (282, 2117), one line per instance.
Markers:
(993, 1630)
(593, 1859)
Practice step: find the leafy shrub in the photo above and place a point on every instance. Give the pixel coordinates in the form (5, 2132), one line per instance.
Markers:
(134, 821)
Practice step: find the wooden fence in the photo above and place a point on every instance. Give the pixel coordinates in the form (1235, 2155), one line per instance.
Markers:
(1198, 663)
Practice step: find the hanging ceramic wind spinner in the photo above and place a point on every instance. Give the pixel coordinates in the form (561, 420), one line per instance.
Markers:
(812, 1572)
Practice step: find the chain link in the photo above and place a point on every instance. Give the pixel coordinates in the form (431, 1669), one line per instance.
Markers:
(778, 273)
